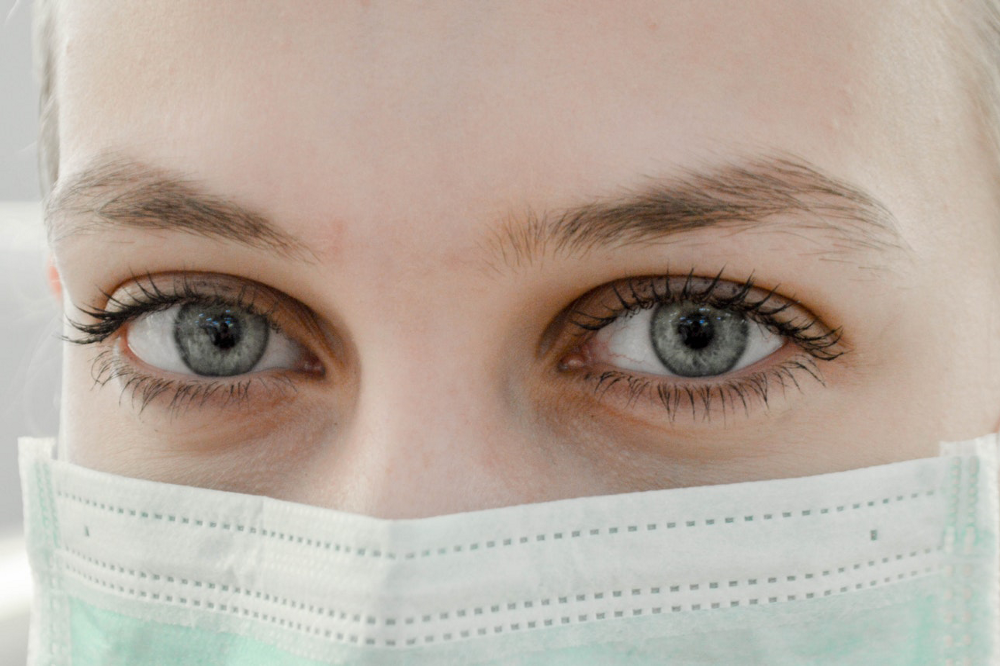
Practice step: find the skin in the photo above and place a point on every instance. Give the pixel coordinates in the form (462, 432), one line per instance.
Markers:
(393, 138)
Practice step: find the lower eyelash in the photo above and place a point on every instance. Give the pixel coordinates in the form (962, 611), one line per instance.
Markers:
(143, 389)
(733, 395)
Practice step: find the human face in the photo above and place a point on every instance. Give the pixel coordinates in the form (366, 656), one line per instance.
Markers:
(420, 195)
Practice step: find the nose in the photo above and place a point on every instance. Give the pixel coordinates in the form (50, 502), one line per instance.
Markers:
(432, 431)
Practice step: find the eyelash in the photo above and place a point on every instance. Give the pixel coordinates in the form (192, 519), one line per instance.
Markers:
(109, 364)
(634, 294)
(111, 317)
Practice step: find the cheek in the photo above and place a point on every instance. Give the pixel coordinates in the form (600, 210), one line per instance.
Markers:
(103, 427)
(80, 418)
(919, 389)
(955, 360)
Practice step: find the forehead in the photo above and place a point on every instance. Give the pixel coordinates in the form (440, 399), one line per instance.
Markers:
(439, 114)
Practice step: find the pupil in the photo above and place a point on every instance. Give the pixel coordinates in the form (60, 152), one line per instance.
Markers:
(695, 330)
(224, 331)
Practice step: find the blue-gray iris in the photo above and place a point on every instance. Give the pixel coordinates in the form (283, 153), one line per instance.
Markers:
(694, 340)
(220, 341)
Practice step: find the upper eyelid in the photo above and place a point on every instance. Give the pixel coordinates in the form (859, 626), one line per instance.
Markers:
(145, 295)
(291, 316)
(626, 293)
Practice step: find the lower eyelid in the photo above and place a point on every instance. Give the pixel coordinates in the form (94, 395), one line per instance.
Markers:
(787, 350)
(749, 390)
(174, 393)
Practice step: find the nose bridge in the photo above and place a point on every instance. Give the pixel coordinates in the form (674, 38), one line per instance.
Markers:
(424, 436)
(424, 398)
(433, 425)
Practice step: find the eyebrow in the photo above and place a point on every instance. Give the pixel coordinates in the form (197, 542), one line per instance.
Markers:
(737, 195)
(116, 192)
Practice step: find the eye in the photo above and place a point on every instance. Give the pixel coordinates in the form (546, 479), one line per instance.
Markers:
(211, 340)
(684, 339)
(201, 340)
(682, 342)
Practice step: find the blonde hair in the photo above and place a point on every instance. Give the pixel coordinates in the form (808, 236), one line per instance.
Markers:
(48, 108)
(980, 34)
(974, 38)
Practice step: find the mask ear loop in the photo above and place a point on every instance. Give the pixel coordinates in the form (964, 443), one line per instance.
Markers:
(996, 433)
(996, 591)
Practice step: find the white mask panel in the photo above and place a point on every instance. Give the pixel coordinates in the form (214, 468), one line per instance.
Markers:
(895, 564)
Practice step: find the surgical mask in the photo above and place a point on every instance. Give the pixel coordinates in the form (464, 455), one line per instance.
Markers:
(887, 565)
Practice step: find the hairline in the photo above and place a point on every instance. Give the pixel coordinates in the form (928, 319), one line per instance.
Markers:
(973, 32)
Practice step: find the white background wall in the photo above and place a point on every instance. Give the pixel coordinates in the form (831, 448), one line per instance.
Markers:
(29, 347)
(29, 352)
(18, 104)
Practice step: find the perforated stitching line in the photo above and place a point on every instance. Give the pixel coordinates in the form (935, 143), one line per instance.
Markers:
(488, 609)
(366, 551)
(482, 630)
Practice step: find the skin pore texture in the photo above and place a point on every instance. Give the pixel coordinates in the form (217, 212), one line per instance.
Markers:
(393, 171)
